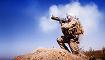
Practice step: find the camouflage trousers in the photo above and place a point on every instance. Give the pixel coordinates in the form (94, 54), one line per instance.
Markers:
(73, 44)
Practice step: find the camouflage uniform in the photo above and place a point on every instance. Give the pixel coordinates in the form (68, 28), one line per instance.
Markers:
(71, 31)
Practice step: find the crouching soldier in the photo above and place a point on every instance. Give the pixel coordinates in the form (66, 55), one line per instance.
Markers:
(71, 29)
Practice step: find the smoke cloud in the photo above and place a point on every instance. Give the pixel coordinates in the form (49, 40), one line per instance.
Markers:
(89, 15)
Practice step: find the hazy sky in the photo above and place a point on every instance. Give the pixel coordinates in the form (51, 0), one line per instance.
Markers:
(25, 24)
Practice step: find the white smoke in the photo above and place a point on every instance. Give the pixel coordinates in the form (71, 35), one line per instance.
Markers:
(89, 16)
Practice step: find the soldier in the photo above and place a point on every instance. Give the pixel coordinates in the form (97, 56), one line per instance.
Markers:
(71, 29)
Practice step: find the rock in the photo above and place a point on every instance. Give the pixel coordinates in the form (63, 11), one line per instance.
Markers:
(50, 54)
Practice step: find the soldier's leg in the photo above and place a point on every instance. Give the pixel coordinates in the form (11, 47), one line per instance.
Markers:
(61, 43)
(77, 39)
(74, 46)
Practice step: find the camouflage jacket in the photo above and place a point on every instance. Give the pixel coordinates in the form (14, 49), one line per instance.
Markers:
(72, 27)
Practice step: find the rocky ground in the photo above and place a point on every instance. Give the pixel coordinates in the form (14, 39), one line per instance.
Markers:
(51, 54)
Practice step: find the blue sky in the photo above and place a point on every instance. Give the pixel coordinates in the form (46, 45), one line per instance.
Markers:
(19, 24)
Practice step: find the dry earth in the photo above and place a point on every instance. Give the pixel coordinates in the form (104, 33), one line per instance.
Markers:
(51, 54)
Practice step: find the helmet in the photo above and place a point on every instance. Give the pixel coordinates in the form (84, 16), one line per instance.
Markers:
(68, 17)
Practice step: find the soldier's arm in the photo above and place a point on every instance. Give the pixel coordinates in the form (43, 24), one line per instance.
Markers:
(72, 24)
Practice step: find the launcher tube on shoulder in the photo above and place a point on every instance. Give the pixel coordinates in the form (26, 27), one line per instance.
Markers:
(55, 18)
(58, 19)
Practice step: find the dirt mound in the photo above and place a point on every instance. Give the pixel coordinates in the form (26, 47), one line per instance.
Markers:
(50, 54)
